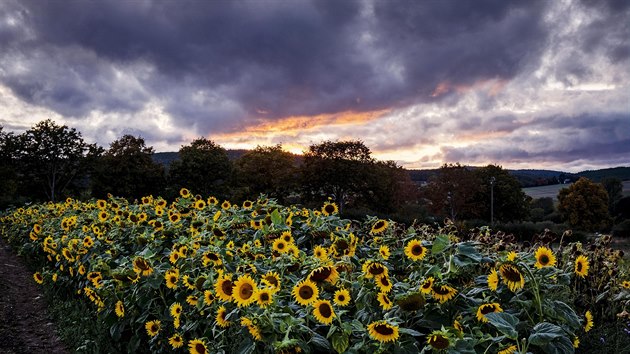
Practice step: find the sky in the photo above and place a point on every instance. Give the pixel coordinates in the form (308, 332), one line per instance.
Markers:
(522, 84)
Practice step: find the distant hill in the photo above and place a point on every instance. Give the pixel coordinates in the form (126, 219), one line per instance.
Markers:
(623, 173)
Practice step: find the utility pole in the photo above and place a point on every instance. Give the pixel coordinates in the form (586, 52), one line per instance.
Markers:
(492, 180)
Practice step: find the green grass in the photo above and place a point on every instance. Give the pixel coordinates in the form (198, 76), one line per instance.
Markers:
(552, 190)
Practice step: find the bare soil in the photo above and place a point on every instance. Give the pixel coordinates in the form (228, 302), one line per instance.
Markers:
(25, 326)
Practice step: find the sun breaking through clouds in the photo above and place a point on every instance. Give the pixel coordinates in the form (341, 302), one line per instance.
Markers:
(523, 84)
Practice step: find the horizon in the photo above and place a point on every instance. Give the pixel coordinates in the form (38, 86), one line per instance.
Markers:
(534, 85)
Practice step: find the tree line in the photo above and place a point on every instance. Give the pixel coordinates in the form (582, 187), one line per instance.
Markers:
(50, 162)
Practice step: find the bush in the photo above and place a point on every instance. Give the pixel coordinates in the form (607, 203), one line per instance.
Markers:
(622, 229)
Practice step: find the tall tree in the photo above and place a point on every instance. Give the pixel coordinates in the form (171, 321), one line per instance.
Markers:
(500, 191)
(203, 167)
(584, 205)
(452, 192)
(390, 187)
(51, 157)
(127, 170)
(8, 168)
(337, 169)
(614, 188)
(268, 170)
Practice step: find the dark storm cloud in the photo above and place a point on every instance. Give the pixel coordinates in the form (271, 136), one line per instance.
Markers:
(283, 58)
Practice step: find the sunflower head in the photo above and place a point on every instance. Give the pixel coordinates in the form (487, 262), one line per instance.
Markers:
(323, 311)
(581, 266)
(264, 297)
(443, 293)
(415, 251)
(384, 283)
(427, 285)
(588, 325)
(485, 309)
(330, 209)
(221, 317)
(383, 331)
(379, 226)
(544, 257)
(197, 346)
(223, 287)
(342, 297)
(493, 280)
(411, 302)
(384, 301)
(153, 327)
(176, 341)
(120, 309)
(439, 340)
(272, 279)
(305, 292)
(512, 276)
(326, 273)
(244, 290)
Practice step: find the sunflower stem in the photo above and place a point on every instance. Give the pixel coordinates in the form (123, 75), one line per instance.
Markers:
(536, 292)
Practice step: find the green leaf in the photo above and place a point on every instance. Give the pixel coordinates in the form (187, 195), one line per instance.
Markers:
(340, 342)
(506, 323)
(276, 218)
(320, 341)
(565, 313)
(467, 249)
(440, 244)
(247, 346)
(410, 332)
(544, 333)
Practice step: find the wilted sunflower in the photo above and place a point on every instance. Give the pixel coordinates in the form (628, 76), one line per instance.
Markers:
(493, 280)
(485, 309)
(382, 331)
(223, 287)
(320, 253)
(512, 276)
(171, 276)
(509, 350)
(384, 252)
(581, 266)
(221, 320)
(326, 273)
(427, 286)
(384, 284)
(439, 340)
(342, 297)
(384, 301)
(415, 251)
(120, 309)
(153, 327)
(443, 293)
(379, 226)
(330, 209)
(176, 341)
(243, 290)
(272, 279)
(323, 311)
(544, 258)
(197, 346)
(38, 278)
(305, 292)
(589, 321)
(264, 297)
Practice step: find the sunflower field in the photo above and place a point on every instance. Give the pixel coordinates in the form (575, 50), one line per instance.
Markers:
(206, 276)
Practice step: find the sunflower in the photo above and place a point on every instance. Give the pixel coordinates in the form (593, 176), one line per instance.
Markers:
(213, 201)
(509, 350)
(383, 331)
(384, 284)
(374, 269)
(197, 346)
(379, 226)
(415, 251)
(511, 256)
(411, 302)
(512, 276)
(576, 342)
(102, 216)
(192, 300)
(174, 217)
(152, 327)
(208, 297)
(544, 257)
(384, 301)
(211, 257)
(320, 253)
(142, 267)
(384, 252)
(176, 341)
(88, 242)
(625, 284)
(176, 310)
(493, 280)
(323, 311)
(251, 327)
(120, 309)
(305, 292)
(581, 266)
(101, 204)
(427, 285)
(438, 340)
(342, 297)
(247, 204)
(272, 279)
(171, 277)
(443, 293)
(326, 273)
(264, 297)
(223, 287)
(280, 245)
(221, 320)
(188, 282)
(174, 256)
(185, 193)
(589, 321)
(38, 278)
(243, 290)
(458, 326)
(485, 309)
(225, 205)
(330, 209)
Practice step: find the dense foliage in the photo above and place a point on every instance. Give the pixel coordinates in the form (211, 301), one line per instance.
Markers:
(212, 276)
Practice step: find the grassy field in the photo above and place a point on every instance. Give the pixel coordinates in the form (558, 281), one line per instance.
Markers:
(552, 191)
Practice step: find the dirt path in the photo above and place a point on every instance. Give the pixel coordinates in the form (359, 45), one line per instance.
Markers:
(25, 326)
